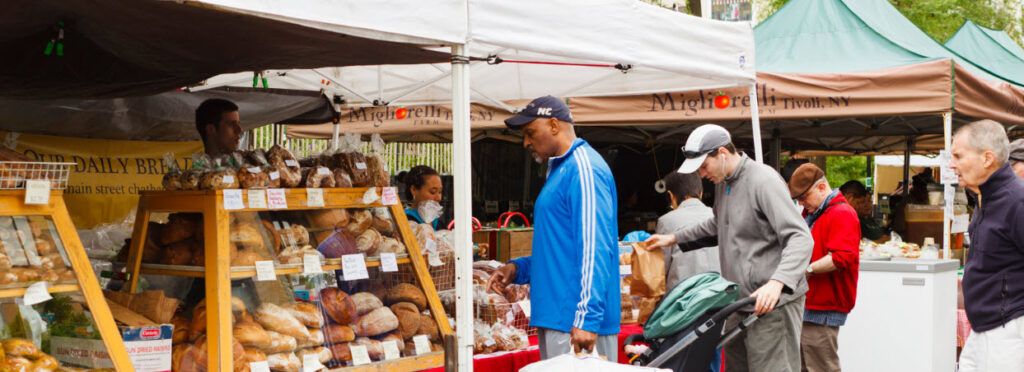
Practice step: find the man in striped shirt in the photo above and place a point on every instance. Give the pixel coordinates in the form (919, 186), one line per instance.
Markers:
(573, 271)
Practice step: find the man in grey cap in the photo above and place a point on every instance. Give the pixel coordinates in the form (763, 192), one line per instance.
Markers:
(764, 246)
(1017, 157)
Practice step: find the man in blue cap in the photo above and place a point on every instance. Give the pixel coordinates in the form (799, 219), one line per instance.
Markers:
(573, 272)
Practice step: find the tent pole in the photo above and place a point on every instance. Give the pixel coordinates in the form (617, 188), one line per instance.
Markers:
(776, 148)
(335, 135)
(462, 198)
(755, 122)
(947, 211)
(906, 171)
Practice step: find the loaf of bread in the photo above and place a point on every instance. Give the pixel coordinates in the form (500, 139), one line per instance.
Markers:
(21, 347)
(428, 326)
(341, 353)
(355, 164)
(246, 235)
(284, 362)
(366, 302)
(251, 334)
(218, 180)
(253, 178)
(277, 319)
(338, 305)
(247, 257)
(373, 347)
(322, 354)
(327, 220)
(195, 357)
(44, 247)
(316, 338)
(368, 242)
(308, 314)
(190, 179)
(376, 322)
(396, 338)
(405, 292)
(360, 221)
(279, 343)
(254, 355)
(408, 322)
(341, 178)
(377, 171)
(179, 253)
(319, 177)
(179, 227)
(336, 333)
(404, 306)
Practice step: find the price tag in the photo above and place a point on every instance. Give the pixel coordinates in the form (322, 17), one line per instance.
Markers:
(388, 263)
(359, 354)
(960, 223)
(353, 267)
(430, 246)
(390, 350)
(361, 165)
(253, 169)
(37, 192)
(370, 196)
(323, 171)
(422, 344)
(291, 163)
(228, 179)
(275, 175)
(311, 264)
(434, 259)
(276, 199)
(525, 305)
(257, 199)
(625, 270)
(265, 271)
(311, 363)
(233, 199)
(389, 196)
(489, 342)
(36, 293)
(315, 197)
(262, 366)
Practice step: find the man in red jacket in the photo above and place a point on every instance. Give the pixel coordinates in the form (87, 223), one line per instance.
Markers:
(832, 274)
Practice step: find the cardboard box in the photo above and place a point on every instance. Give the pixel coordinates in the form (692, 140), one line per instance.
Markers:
(149, 349)
(506, 244)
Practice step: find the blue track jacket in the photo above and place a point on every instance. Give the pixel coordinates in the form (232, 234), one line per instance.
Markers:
(574, 270)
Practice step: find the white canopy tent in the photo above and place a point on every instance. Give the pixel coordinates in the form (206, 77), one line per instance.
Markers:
(637, 47)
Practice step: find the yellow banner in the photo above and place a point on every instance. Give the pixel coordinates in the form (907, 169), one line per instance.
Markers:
(108, 175)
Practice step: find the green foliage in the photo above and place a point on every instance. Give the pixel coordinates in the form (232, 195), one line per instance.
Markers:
(845, 168)
(941, 18)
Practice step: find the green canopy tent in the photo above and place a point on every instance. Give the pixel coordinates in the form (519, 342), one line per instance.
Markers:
(990, 49)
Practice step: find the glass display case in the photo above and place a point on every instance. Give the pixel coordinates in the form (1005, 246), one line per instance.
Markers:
(52, 309)
(304, 279)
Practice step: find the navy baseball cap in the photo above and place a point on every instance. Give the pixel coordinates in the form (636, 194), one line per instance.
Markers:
(543, 107)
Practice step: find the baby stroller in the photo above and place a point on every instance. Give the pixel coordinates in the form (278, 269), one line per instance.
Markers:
(686, 328)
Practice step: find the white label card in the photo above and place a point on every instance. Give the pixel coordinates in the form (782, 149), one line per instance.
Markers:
(353, 267)
(257, 199)
(370, 196)
(434, 259)
(625, 270)
(359, 354)
(525, 305)
(276, 199)
(315, 197)
(960, 223)
(389, 196)
(388, 262)
(254, 169)
(311, 363)
(233, 199)
(36, 293)
(946, 174)
(228, 179)
(311, 264)
(291, 163)
(37, 192)
(275, 175)
(262, 366)
(361, 165)
(323, 171)
(430, 246)
(390, 350)
(265, 271)
(422, 344)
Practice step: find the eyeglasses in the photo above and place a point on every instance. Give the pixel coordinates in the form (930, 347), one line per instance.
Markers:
(695, 154)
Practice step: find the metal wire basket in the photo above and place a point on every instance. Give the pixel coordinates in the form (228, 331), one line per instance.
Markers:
(14, 173)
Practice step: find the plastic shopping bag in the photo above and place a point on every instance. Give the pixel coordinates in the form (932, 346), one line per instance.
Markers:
(584, 363)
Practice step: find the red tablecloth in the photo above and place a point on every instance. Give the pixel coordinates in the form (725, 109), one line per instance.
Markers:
(513, 361)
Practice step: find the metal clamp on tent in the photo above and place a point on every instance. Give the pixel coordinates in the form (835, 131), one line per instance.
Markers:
(495, 60)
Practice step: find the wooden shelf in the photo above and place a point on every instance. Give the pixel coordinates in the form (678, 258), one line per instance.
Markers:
(55, 288)
(416, 363)
(243, 271)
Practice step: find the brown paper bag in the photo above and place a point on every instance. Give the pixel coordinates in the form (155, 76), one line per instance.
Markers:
(648, 272)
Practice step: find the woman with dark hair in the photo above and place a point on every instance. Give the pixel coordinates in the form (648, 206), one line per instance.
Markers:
(423, 184)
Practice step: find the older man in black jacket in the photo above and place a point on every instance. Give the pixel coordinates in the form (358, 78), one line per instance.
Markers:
(994, 274)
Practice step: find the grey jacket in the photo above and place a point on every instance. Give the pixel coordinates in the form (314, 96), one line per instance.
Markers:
(680, 265)
(760, 234)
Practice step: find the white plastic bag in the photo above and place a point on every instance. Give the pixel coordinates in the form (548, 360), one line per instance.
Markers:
(585, 363)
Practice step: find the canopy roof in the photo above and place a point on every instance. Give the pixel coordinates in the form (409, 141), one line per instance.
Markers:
(991, 49)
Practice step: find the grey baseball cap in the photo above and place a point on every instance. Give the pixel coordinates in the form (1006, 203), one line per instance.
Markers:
(1017, 150)
(702, 141)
